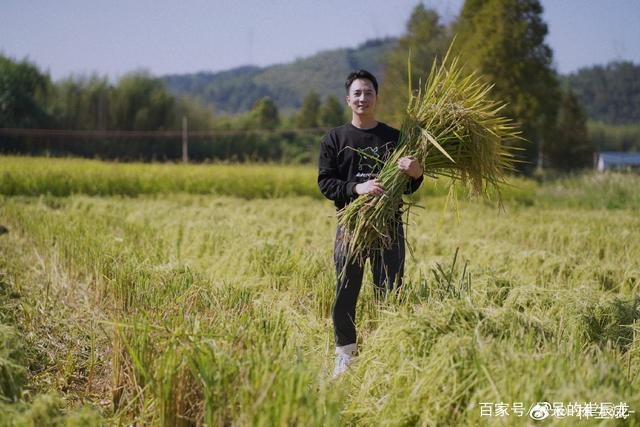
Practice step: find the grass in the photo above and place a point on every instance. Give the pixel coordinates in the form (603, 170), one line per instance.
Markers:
(206, 308)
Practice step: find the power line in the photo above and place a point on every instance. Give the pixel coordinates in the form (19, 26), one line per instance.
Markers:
(146, 133)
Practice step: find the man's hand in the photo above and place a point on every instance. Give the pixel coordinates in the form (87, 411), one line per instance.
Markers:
(410, 166)
(373, 187)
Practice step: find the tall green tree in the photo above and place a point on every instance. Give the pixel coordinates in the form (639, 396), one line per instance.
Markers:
(332, 112)
(200, 116)
(504, 40)
(425, 39)
(570, 147)
(83, 103)
(23, 94)
(308, 115)
(265, 114)
(141, 102)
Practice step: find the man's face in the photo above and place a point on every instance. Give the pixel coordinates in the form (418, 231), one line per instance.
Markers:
(362, 97)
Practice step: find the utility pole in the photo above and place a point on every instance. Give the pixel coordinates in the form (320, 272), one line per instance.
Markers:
(540, 152)
(185, 141)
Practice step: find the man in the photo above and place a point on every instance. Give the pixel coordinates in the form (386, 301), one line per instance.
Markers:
(344, 175)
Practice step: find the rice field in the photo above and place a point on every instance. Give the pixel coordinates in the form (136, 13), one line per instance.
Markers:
(201, 295)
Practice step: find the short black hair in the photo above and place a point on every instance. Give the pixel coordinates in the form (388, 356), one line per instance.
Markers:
(360, 74)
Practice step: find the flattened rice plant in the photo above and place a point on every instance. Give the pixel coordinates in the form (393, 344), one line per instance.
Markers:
(454, 129)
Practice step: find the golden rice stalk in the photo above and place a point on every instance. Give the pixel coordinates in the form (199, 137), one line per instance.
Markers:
(454, 130)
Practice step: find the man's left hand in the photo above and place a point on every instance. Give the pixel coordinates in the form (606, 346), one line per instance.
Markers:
(410, 166)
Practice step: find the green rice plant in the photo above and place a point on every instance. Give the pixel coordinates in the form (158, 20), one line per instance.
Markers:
(63, 177)
(611, 320)
(12, 373)
(208, 338)
(454, 130)
(444, 282)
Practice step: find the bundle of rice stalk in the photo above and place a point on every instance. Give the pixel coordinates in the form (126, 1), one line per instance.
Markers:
(454, 130)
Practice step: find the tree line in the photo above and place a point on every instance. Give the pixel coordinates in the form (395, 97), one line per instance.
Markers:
(610, 93)
(513, 56)
(141, 102)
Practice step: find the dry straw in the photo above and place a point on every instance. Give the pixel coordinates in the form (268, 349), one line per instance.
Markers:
(455, 130)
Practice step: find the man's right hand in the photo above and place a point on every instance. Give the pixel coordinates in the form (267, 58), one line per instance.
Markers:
(373, 187)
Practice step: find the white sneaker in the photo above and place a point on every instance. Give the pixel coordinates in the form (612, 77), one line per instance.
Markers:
(345, 356)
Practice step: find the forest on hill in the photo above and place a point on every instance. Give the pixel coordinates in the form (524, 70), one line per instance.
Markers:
(237, 90)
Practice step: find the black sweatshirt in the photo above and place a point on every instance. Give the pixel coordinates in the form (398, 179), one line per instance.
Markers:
(341, 168)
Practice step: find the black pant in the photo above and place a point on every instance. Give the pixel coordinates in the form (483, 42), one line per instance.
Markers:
(387, 266)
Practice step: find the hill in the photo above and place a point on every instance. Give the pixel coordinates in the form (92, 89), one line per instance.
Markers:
(236, 90)
(609, 93)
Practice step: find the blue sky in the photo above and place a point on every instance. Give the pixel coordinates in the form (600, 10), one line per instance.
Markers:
(116, 36)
